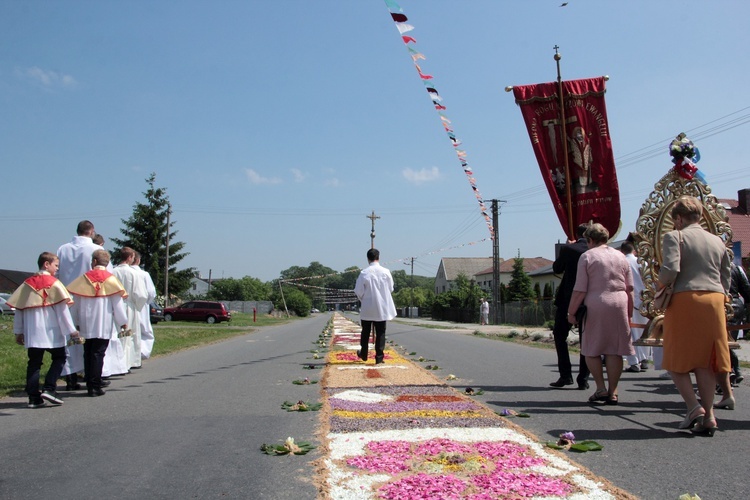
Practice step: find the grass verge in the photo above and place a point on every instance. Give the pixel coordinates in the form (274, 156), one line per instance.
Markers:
(171, 337)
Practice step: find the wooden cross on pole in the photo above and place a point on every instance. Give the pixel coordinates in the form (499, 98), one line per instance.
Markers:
(372, 232)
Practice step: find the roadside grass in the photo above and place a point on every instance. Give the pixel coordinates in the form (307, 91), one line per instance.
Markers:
(514, 337)
(171, 337)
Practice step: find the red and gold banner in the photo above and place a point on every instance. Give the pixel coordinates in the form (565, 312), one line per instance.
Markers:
(593, 186)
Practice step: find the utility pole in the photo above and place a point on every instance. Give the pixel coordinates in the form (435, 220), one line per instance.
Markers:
(411, 294)
(166, 259)
(372, 232)
(495, 263)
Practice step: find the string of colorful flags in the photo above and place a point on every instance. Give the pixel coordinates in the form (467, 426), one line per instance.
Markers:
(401, 24)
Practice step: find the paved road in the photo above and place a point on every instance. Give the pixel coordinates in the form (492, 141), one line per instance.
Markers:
(189, 425)
(644, 453)
(184, 426)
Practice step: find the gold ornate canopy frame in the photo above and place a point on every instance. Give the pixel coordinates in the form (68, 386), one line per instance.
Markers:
(653, 222)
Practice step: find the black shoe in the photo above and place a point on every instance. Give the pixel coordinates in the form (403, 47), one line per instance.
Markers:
(106, 383)
(359, 355)
(96, 392)
(36, 403)
(74, 387)
(379, 361)
(582, 386)
(52, 397)
(561, 382)
(739, 378)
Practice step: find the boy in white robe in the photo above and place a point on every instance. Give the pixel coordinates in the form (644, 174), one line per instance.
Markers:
(134, 302)
(42, 323)
(100, 311)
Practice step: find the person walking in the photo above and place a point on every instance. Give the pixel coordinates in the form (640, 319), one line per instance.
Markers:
(484, 312)
(567, 264)
(373, 288)
(639, 361)
(697, 264)
(604, 284)
(100, 313)
(43, 323)
(75, 260)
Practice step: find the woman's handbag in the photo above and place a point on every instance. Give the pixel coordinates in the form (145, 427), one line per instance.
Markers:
(664, 294)
(581, 317)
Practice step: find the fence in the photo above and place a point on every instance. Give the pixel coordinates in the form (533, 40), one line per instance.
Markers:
(526, 313)
(247, 306)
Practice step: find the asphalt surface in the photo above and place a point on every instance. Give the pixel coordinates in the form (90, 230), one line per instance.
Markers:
(644, 452)
(190, 425)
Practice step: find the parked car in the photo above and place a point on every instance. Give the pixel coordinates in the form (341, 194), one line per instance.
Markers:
(4, 307)
(198, 310)
(156, 313)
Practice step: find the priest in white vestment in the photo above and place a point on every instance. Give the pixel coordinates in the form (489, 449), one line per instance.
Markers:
(147, 330)
(137, 297)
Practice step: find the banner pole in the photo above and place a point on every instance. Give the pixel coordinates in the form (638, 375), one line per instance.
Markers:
(571, 231)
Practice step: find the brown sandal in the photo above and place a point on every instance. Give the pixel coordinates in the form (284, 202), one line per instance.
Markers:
(612, 400)
(600, 395)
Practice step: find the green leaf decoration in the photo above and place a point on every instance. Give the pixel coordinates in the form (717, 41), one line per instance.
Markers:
(302, 448)
(300, 406)
(585, 446)
(304, 382)
(554, 445)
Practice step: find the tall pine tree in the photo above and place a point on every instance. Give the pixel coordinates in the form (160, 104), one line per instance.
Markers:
(520, 287)
(145, 232)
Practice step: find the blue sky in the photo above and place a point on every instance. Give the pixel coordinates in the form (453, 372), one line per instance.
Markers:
(277, 127)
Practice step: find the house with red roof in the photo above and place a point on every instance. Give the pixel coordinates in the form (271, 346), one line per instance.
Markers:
(738, 215)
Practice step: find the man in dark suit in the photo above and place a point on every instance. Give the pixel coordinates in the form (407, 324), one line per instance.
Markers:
(567, 264)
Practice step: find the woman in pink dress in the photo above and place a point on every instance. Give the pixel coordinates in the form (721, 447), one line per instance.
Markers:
(604, 284)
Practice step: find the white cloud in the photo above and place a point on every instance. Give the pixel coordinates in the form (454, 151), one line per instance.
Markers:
(47, 78)
(299, 175)
(333, 182)
(255, 178)
(421, 176)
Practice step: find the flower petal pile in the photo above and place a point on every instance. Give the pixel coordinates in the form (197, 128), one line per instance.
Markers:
(404, 434)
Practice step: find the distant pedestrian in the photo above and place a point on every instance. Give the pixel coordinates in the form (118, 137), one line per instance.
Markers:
(484, 312)
(42, 323)
(373, 288)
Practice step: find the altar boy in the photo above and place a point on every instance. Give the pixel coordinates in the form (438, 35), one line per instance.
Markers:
(42, 323)
(98, 313)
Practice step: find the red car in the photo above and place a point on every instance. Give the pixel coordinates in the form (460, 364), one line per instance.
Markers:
(198, 310)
